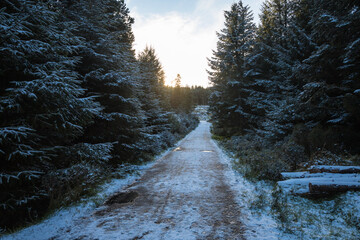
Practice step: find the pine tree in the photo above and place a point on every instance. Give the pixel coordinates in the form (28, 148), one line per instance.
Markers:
(229, 72)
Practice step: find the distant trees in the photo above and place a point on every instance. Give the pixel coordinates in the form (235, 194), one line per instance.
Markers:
(200, 95)
(184, 99)
(176, 93)
(294, 86)
(75, 103)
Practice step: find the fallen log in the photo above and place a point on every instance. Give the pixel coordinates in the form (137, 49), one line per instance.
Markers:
(321, 180)
(296, 175)
(316, 188)
(334, 169)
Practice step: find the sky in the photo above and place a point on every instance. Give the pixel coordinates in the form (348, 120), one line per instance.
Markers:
(182, 32)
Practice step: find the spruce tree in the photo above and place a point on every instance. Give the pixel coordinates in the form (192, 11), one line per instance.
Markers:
(329, 101)
(274, 61)
(229, 71)
(108, 67)
(151, 95)
(42, 107)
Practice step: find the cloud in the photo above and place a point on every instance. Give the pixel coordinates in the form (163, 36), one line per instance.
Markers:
(183, 41)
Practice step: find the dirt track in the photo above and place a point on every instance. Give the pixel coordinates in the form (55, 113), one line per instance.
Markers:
(185, 195)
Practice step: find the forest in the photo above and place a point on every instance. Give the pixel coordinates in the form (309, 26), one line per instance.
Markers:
(286, 94)
(285, 103)
(77, 103)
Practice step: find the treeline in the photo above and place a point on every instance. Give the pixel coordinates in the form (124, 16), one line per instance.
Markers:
(75, 103)
(185, 98)
(288, 92)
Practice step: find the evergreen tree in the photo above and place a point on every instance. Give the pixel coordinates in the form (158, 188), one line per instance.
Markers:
(329, 102)
(188, 100)
(109, 69)
(152, 97)
(229, 71)
(176, 98)
(152, 70)
(280, 47)
(200, 95)
(42, 107)
(69, 105)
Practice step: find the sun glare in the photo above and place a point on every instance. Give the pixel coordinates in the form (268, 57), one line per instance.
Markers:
(182, 40)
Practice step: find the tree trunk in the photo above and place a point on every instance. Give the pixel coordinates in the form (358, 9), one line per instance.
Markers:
(315, 188)
(334, 169)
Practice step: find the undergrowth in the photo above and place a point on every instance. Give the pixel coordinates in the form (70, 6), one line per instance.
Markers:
(83, 181)
(332, 217)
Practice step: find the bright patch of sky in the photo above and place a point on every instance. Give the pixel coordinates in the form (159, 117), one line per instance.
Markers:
(183, 33)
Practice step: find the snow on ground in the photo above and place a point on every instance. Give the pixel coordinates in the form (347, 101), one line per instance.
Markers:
(259, 225)
(183, 196)
(191, 219)
(333, 218)
(266, 212)
(202, 112)
(271, 212)
(335, 169)
(66, 217)
(299, 182)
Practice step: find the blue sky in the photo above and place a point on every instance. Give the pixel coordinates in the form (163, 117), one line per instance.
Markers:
(183, 33)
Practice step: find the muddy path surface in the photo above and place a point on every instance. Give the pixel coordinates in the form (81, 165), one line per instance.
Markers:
(185, 195)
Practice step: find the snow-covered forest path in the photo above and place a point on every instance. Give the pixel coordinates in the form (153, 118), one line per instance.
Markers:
(185, 195)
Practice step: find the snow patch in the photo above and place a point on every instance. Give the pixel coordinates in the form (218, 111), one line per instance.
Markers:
(66, 217)
(300, 184)
(259, 225)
